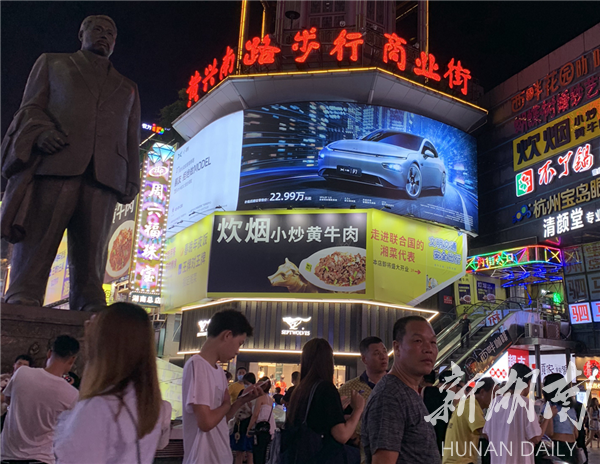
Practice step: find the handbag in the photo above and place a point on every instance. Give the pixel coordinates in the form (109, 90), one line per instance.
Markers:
(264, 426)
(302, 445)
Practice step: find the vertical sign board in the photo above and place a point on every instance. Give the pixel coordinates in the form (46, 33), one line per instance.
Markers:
(120, 244)
(187, 256)
(146, 274)
(57, 288)
(580, 313)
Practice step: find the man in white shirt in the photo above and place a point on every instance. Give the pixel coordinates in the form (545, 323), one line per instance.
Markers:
(512, 426)
(36, 397)
(206, 402)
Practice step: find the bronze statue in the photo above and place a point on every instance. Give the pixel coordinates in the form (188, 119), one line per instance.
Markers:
(70, 154)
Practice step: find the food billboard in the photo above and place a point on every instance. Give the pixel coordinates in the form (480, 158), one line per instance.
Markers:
(120, 244)
(318, 254)
(333, 155)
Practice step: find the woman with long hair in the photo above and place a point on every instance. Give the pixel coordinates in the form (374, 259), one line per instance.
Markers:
(315, 426)
(120, 416)
(594, 417)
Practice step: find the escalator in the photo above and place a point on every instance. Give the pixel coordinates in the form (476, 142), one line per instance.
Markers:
(487, 321)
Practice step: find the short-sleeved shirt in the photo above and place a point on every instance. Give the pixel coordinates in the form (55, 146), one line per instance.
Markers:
(462, 440)
(37, 397)
(510, 429)
(234, 390)
(394, 420)
(326, 410)
(101, 430)
(465, 325)
(204, 384)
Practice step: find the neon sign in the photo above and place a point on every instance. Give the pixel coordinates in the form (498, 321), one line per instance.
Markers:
(346, 46)
(146, 274)
(514, 257)
(583, 160)
(153, 128)
(570, 221)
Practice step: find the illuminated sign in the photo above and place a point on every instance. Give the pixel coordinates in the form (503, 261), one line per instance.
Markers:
(145, 300)
(153, 128)
(582, 160)
(525, 182)
(570, 221)
(514, 257)
(294, 325)
(346, 46)
(563, 77)
(576, 127)
(580, 313)
(203, 327)
(146, 274)
(596, 311)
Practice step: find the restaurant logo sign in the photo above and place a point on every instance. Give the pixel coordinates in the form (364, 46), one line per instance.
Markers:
(295, 326)
(203, 328)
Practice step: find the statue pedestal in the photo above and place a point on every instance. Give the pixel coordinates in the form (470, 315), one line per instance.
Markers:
(31, 330)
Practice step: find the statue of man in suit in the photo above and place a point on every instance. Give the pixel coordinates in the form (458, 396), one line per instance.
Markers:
(70, 154)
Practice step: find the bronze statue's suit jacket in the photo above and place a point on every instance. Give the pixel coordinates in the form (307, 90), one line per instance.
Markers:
(101, 124)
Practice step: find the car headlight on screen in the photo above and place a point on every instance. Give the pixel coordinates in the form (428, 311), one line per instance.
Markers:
(392, 167)
(321, 155)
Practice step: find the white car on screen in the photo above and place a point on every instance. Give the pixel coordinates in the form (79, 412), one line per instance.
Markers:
(390, 159)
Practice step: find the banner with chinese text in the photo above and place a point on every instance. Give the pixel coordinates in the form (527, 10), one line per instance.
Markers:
(289, 254)
(146, 273)
(574, 128)
(412, 260)
(186, 265)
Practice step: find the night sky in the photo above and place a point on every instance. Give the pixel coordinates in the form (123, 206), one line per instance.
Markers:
(160, 44)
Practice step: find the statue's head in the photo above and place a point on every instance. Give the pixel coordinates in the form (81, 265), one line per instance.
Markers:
(98, 34)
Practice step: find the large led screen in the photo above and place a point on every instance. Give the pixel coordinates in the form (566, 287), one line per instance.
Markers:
(341, 155)
(206, 173)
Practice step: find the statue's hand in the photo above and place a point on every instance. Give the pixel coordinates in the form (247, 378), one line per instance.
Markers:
(51, 141)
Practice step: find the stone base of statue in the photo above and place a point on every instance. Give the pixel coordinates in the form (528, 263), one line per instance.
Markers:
(31, 330)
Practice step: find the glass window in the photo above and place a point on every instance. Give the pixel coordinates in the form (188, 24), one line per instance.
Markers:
(315, 7)
(327, 7)
(400, 139)
(327, 21)
(340, 6)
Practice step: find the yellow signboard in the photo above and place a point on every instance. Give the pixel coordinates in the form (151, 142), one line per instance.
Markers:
(58, 283)
(320, 254)
(412, 260)
(566, 131)
(186, 265)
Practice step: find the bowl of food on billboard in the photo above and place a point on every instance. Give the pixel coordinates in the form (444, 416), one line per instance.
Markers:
(337, 269)
(120, 246)
(349, 155)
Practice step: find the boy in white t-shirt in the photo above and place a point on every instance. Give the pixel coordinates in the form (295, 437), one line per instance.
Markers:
(206, 402)
(36, 398)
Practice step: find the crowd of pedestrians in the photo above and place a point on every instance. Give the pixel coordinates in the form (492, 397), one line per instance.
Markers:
(403, 413)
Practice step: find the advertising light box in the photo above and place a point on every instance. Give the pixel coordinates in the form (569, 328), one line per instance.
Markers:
(345, 254)
(580, 313)
(327, 155)
(338, 155)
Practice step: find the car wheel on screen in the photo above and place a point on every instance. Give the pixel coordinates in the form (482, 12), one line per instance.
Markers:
(413, 182)
(443, 185)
